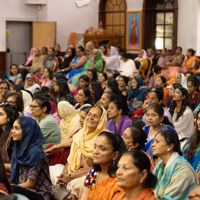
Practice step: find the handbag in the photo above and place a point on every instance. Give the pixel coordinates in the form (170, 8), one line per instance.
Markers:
(60, 193)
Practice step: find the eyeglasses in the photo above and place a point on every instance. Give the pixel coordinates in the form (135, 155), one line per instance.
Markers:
(5, 88)
(33, 106)
(11, 102)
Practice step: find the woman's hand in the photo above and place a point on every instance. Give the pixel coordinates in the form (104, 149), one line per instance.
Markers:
(64, 179)
(49, 150)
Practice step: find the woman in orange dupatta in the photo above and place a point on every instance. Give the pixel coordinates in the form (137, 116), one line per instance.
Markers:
(134, 176)
(190, 61)
(100, 182)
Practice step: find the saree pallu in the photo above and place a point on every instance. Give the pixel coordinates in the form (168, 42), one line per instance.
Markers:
(106, 189)
(175, 180)
(195, 160)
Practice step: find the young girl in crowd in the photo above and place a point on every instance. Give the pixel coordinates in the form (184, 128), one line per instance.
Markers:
(30, 171)
(8, 115)
(102, 78)
(15, 76)
(182, 116)
(118, 116)
(193, 89)
(83, 98)
(137, 94)
(155, 121)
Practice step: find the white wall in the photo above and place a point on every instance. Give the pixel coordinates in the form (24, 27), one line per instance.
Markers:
(134, 4)
(14, 10)
(70, 18)
(188, 24)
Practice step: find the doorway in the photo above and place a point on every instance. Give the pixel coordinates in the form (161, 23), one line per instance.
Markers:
(18, 42)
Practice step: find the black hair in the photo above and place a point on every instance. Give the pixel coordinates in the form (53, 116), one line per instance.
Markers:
(43, 101)
(50, 71)
(87, 93)
(180, 48)
(15, 66)
(159, 92)
(185, 103)
(192, 51)
(158, 108)
(137, 122)
(171, 137)
(163, 79)
(97, 91)
(94, 74)
(19, 100)
(195, 82)
(18, 87)
(85, 78)
(118, 146)
(5, 82)
(113, 85)
(142, 162)
(12, 115)
(64, 88)
(3, 177)
(52, 49)
(194, 142)
(81, 48)
(121, 104)
(104, 75)
(157, 68)
(139, 136)
(124, 54)
(125, 79)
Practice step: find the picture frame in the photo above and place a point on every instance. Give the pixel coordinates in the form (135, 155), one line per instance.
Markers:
(134, 30)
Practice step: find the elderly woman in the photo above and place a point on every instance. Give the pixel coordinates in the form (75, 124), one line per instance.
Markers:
(30, 84)
(136, 164)
(81, 152)
(176, 176)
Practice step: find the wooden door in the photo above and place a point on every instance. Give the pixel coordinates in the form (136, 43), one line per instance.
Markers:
(44, 34)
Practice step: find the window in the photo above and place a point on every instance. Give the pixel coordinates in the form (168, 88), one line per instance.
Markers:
(164, 24)
(160, 19)
(112, 14)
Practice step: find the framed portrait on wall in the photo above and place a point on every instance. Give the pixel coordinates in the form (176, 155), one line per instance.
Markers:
(134, 30)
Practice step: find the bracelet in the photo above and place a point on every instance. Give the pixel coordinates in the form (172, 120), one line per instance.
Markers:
(54, 146)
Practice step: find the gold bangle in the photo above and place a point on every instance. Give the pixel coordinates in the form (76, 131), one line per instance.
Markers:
(54, 147)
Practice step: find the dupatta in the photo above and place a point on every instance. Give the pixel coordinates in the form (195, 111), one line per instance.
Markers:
(83, 143)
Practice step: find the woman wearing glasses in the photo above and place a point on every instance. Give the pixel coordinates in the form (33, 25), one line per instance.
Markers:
(40, 109)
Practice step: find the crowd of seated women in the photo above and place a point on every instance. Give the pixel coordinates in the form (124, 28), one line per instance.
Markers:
(93, 124)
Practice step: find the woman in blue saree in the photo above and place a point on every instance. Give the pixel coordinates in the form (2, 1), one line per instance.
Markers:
(191, 150)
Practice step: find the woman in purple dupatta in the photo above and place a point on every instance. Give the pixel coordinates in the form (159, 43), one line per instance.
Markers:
(118, 116)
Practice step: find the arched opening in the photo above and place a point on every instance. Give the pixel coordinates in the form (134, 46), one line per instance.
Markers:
(112, 15)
